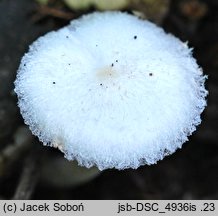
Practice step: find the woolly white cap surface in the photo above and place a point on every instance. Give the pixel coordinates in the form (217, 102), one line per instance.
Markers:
(111, 90)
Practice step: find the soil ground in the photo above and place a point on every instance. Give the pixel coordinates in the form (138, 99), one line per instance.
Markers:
(190, 173)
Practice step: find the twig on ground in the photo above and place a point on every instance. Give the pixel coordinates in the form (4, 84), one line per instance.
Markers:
(22, 142)
(43, 11)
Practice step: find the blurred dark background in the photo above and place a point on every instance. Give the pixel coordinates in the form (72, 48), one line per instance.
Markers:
(190, 173)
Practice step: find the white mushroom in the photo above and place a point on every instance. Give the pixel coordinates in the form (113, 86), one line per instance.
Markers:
(111, 90)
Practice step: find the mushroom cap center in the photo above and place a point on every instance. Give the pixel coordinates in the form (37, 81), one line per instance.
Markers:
(105, 73)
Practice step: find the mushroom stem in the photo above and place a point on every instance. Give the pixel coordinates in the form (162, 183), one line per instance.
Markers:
(28, 179)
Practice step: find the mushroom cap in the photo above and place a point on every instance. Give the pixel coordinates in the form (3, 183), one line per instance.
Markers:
(111, 90)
